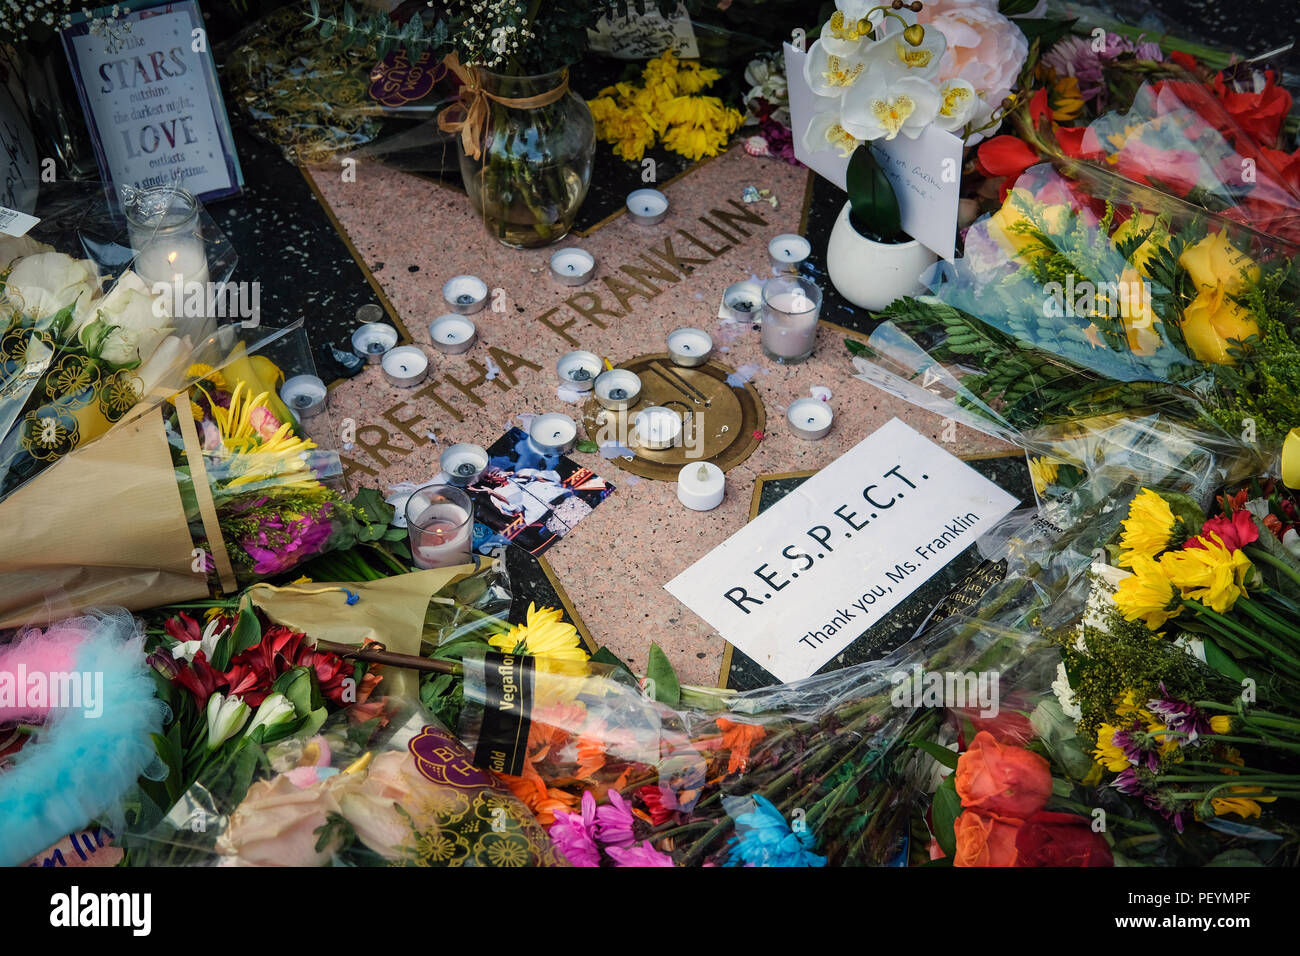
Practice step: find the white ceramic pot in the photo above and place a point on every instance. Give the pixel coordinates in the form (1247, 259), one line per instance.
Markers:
(873, 274)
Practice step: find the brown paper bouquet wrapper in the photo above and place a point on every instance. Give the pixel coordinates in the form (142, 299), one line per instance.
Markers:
(104, 526)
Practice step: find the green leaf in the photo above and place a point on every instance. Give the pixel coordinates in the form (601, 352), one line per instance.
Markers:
(587, 446)
(944, 812)
(667, 689)
(247, 632)
(871, 196)
(1014, 8)
(942, 754)
(1047, 32)
(1220, 661)
(605, 656)
(1235, 858)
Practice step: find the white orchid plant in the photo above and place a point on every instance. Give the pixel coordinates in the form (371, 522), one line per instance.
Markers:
(876, 74)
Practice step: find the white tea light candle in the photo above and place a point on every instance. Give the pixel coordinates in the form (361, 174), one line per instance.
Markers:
(553, 434)
(647, 207)
(810, 418)
(464, 463)
(618, 389)
(658, 428)
(700, 486)
(372, 340)
(405, 367)
(689, 347)
(578, 370)
(465, 294)
(742, 302)
(788, 251)
(304, 395)
(573, 266)
(453, 334)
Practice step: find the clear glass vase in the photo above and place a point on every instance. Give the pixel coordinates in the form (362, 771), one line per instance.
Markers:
(535, 164)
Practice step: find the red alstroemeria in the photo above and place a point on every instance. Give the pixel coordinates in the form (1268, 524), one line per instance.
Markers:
(1260, 114)
(182, 627)
(200, 679)
(1235, 531)
(1185, 60)
(249, 681)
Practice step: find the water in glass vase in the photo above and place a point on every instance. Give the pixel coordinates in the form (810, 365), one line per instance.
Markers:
(535, 165)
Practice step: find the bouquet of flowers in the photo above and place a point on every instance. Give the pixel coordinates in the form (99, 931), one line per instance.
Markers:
(1064, 305)
(74, 359)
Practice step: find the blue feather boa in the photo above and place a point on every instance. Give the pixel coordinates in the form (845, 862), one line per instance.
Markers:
(78, 766)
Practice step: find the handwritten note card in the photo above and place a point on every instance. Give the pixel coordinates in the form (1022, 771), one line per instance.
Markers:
(643, 36)
(799, 584)
(150, 93)
(926, 171)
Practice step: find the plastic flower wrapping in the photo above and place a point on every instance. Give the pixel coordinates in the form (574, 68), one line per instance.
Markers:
(1094, 295)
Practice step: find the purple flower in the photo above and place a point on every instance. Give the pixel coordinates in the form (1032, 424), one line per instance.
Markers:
(574, 835)
(643, 854)
(1138, 745)
(614, 822)
(1180, 716)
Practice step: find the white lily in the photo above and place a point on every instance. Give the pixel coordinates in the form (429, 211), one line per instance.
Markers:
(275, 709)
(207, 643)
(830, 75)
(902, 59)
(843, 35)
(226, 717)
(878, 109)
(957, 104)
(824, 132)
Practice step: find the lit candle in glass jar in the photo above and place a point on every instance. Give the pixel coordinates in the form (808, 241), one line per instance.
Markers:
(440, 527)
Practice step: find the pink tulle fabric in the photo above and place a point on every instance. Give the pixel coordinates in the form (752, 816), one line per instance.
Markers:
(49, 652)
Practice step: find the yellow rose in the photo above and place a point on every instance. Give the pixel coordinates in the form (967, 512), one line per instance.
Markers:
(1214, 262)
(1010, 226)
(1157, 237)
(1211, 320)
(1135, 309)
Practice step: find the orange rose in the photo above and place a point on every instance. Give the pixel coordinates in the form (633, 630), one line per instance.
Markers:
(1008, 781)
(985, 840)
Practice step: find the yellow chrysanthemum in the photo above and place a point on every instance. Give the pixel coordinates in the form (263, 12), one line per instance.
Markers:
(691, 78)
(1148, 529)
(543, 634)
(1043, 472)
(1108, 753)
(1148, 595)
(200, 371)
(1213, 574)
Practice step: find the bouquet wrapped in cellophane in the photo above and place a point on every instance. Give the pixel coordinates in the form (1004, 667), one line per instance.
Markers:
(217, 485)
(1066, 306)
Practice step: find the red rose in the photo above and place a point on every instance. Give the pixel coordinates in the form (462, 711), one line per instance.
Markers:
(1235, 532)
(1008, 781)
(1259, 114)
(1060, 839)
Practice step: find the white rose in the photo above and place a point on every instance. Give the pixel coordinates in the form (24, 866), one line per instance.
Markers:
(125, 324)
(13, 248)
(42, 284)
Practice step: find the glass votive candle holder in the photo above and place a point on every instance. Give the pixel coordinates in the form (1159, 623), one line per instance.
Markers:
(791, 307)
(440, 526)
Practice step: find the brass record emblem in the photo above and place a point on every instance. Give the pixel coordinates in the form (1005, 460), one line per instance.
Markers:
(719, 421)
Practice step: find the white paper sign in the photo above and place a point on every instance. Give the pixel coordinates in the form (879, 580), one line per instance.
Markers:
(150, 92)
(801, 582)
(926, 171)
(643, 36)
